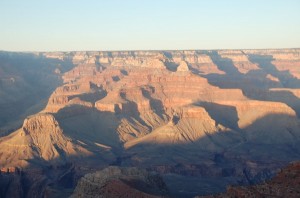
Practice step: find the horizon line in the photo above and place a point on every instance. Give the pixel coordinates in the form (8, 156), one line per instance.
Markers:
(140, 50)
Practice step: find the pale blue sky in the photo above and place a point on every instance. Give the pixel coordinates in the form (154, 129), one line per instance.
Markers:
(63, 25)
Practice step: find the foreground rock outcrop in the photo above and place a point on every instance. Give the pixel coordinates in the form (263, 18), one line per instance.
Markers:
(121, 182)
(284, 184)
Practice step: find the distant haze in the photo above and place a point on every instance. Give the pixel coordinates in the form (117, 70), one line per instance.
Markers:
(55, 25)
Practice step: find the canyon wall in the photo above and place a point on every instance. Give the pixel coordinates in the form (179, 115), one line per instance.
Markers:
(152, 109)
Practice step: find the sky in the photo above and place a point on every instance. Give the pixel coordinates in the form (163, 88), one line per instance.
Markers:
(104, 25)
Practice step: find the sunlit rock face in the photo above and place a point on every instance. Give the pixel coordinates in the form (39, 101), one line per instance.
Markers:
(40, 138)
(175, 111)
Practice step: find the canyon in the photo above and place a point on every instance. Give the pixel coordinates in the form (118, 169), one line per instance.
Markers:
(201, 120)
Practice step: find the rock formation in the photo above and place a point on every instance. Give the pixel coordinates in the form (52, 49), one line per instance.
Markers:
(284, 184)
(183, 67)
(155, 96)
(39, 139)
(221, 109)
(240, 60)
(121, 182)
